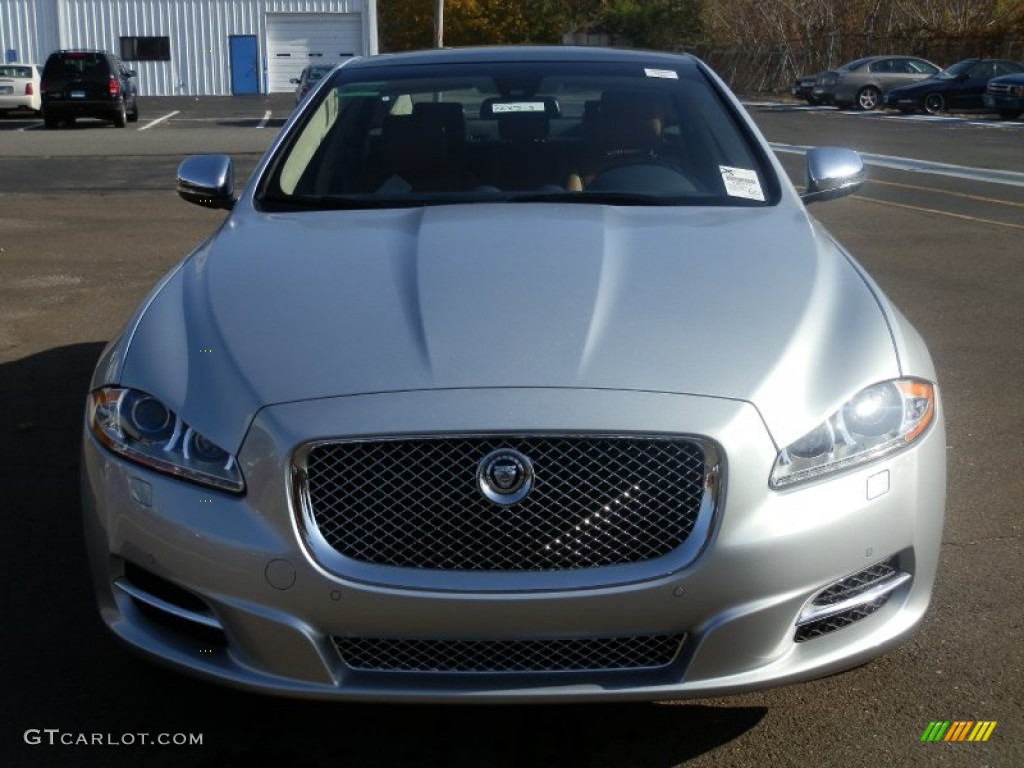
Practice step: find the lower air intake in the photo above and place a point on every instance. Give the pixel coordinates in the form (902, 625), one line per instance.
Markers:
(509, 656)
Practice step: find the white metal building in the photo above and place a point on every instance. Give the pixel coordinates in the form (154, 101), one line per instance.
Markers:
(196, 47)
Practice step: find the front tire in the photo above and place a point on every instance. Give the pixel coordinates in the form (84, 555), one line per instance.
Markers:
(133, 116)
(869, 98)
(934, 103)
(50, 122)
(120, 117)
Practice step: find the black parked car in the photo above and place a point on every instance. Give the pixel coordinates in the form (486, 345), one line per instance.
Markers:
(961, 86)
(88, 84)
(803, 88)
(1005, 95)
(310, 76)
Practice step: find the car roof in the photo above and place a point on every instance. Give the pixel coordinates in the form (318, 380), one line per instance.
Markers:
(519, 54)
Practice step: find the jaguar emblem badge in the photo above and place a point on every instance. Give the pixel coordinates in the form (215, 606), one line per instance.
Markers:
(505, 476)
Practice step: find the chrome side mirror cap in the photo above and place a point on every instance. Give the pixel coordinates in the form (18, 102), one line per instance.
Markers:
(832, 172)
(207, 180)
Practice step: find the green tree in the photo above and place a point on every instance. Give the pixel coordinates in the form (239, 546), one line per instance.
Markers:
(409, 24)
(658, 24)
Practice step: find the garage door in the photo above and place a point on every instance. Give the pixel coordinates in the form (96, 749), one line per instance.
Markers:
(295, 40)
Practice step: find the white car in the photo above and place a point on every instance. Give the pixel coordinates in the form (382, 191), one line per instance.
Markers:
(19, 88)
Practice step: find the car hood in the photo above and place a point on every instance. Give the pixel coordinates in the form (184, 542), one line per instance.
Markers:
(753, 304)
(1014, 79)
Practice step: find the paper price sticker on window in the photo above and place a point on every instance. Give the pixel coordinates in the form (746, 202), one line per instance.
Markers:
(513, 107)
(741, 182)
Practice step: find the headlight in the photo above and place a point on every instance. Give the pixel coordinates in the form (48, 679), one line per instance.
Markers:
(875, 422)
(139, 427)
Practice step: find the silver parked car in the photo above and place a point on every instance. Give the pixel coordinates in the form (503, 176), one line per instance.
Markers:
(515, 374)
(863, 83)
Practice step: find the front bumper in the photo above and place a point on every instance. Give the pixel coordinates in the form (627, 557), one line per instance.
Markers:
(277, 620)
(896, 101)
(1003, 102)
(824, 94)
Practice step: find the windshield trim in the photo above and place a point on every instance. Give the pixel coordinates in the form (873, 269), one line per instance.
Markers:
(349, 80)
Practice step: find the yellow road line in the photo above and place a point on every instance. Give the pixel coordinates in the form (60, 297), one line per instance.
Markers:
(940, 213)
(947, 192)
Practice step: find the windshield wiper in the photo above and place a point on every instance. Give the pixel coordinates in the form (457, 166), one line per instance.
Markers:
(598, 198)
(349, 202)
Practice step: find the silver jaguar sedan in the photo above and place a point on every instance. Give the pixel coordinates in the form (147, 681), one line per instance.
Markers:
(515, 374)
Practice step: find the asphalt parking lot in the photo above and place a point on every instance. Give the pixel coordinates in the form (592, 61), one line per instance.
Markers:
(89, 221)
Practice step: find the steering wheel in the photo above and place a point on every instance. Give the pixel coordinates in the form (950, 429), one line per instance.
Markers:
(643, 176)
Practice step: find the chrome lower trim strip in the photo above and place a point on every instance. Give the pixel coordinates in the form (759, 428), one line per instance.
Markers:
(816, 613)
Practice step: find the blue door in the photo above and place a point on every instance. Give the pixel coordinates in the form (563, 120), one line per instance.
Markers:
(244, 64)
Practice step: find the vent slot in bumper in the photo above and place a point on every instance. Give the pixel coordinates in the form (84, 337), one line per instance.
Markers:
(606, 654)
(850, 599)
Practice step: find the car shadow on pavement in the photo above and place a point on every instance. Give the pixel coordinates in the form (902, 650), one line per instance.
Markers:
(63, 670)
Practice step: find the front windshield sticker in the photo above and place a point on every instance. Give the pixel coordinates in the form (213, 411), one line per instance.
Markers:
(508, 107)
(666, 73)
(741, 182)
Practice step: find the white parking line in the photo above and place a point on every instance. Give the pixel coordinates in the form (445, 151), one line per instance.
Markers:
(33, 127)
(159, 120)
(888, 115)
(988, 175)
(265, 120)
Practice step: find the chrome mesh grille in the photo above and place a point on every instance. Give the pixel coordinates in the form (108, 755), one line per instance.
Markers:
(859, 582)
(561, 655)
(849, 589)
(836, 621)
(596, 501)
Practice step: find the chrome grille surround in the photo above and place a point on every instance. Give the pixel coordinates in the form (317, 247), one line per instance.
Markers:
(586, 654)
(408, 511)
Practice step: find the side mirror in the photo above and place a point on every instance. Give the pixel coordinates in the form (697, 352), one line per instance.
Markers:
(294, 81)
(832, 172)
(131, 73)
(207, 180)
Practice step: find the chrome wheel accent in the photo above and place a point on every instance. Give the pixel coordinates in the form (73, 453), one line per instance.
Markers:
(869, 98)
(934, 103)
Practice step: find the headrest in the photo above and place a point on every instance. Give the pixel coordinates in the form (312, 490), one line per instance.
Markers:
(414, 143)
(449, 113)
(630, 121)
(524, 126)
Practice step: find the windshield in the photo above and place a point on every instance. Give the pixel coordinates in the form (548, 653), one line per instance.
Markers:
(317, 73)
(393, 136)
(957, 69)
(852, 65)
